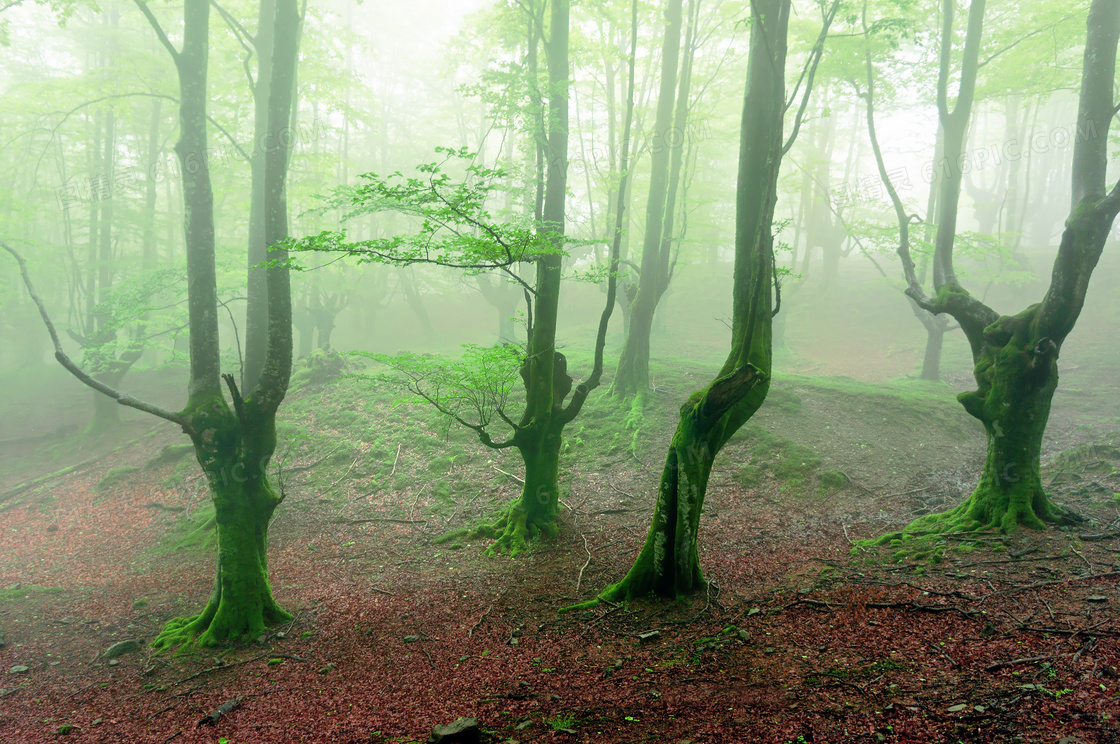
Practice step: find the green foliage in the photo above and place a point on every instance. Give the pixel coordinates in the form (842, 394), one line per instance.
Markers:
(125, 315)
(562, 722)
(473, 389)
(455, 226)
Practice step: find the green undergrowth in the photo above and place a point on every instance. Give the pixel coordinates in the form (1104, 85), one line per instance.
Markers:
(23, 591)
(797, 468)
(115, 478)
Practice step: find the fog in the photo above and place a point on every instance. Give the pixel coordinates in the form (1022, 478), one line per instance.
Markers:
(523, 330)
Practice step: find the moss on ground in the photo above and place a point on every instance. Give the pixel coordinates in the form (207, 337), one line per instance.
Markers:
(115, 478)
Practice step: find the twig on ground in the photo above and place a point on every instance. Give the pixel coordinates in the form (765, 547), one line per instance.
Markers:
(218, 668)
(461, 508)
(1013, 662)
(613, 487)
(395, 459)
(511, 476)
(470, 631)
(579, 581)
(304, 468)
(1039, 584)
(850, 539)
(341, 478)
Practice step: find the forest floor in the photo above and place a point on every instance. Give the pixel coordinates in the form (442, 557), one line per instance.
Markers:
(801, 637)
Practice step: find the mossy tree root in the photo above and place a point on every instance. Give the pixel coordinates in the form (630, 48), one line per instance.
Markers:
(1017, 374)
(234, 452)
(510, 533)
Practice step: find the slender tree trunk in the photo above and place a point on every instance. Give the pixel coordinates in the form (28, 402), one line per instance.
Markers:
(931, 360)
(106, 412)
(256, 314)
(632, 374)
(668, 564)
(538, 437)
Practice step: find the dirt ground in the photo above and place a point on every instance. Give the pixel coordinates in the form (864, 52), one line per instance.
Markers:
(801, 637)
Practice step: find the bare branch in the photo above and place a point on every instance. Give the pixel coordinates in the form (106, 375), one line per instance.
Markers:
(243, 36)
(1021, 39)
(143, 6)
(810, 70)
(123, 398)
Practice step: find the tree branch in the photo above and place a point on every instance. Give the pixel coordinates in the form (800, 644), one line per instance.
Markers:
(123, 398)
(811, 63)
(143, 6)
(242, 35)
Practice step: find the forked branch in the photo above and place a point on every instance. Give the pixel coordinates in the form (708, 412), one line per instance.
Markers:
(123, 398)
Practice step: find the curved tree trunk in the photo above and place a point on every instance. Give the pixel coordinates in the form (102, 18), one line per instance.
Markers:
(668, 564)
(1016, 356)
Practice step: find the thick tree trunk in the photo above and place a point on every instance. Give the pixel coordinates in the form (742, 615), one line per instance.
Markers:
(536, 510)
(1016, 374)
(669, 563)
(1016, 356)
(241, 604)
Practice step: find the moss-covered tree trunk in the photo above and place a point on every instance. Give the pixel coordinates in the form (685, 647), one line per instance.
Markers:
(536, 511)
(234, 449)
(668, 564)
(1016, 356)
(1016, 374)
(545, 372)
(233, 446)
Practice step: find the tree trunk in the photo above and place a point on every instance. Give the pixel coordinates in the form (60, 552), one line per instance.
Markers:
(234, 449)
(1016, 356)
(256, 311)
(544, 372)
(668, 564)
(931, 360)
(632, 376)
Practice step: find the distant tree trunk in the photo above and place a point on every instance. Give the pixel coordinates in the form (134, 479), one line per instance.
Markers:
(503, 298)
(304, 323)
(668, 564)
(106, 412)
(415, 301)
(632, 375)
